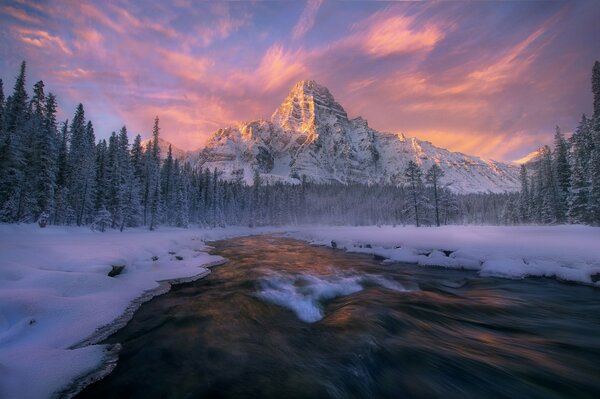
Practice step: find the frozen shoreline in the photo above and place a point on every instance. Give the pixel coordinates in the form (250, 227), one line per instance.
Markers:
(566, 252)
(109, 362)
(57, 300)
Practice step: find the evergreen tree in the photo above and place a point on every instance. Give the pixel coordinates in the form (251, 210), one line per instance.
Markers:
(168, 193)
(82, 167)
(153, 168)
(524, 196)
(579, 187)
(562, 171)
(593, 207)
(433, 178)
(61, 200)
(17, 111)
(596, 88)
(2, 112)
(414, 180)
(12, 151)
(102, 176)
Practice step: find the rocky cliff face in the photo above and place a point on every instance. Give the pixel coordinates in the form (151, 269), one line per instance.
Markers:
(310, 136)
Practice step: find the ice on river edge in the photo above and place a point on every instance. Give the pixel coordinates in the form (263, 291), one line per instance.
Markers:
(55, 291)
(566, 252)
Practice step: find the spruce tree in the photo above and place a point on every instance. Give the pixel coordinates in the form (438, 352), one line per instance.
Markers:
(562, 171)
(524, 196)
(414, 181)
(580, 185)
(12, 151)
(61, 199)
(2, 107)
(153, 185)
(433, 178)
(593, 207)
(596, 88)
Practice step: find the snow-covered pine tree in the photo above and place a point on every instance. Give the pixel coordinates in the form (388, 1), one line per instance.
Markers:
(61, 201)
(414, 182)
(102, 220)
(12, 159)
(524, 196)
(168, 191)
(579, 187)
(2, 107)
(549, 195)
(102, 176)
(181, 205)
(153, 168)
(129, 198)
(82, 167)
(562, 171)
(32, 168)
(433, 176)
(596, 89)
(593, 207)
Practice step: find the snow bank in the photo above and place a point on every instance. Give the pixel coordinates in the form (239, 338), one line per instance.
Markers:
(570, 253)
(55, 293)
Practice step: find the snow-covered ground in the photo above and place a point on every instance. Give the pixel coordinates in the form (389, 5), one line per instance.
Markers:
(55, 292)
(570, 253)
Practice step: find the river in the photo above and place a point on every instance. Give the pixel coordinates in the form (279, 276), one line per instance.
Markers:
(284, 319)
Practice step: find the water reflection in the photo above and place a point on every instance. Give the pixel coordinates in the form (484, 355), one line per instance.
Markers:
(283, 319)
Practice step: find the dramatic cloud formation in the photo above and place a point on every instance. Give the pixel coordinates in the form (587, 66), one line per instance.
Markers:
(487, 78)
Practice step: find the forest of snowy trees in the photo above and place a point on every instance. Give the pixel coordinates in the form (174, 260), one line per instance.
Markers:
(562, 185)
(55, 172)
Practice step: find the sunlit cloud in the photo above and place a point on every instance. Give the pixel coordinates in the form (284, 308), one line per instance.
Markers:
(481, 78)
(42, 39)
(398, 35)
(307, 19)
(20, 15)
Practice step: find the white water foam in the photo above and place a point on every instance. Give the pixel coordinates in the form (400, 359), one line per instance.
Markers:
(303, 293)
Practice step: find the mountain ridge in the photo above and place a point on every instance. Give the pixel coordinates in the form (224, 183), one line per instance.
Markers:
(310, 136)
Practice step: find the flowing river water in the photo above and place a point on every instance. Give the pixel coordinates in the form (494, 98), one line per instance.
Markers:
(283, 319)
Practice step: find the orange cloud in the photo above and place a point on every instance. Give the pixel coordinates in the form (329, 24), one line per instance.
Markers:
(132, 21)
(20, 15)
(396, 35)
(42, 39)
(188, 67)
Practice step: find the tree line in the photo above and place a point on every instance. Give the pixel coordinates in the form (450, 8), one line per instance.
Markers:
(56, 172)
(562, 184)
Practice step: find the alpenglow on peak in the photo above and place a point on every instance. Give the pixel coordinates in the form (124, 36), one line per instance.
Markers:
(307, 104)
(311, 138)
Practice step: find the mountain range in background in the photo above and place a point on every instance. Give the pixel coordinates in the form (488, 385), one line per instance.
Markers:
(311, 137)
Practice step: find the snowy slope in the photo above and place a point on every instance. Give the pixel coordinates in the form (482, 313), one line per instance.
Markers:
(310, 135)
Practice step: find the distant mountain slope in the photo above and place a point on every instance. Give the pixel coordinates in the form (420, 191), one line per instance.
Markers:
(178, 153)
(310, 135)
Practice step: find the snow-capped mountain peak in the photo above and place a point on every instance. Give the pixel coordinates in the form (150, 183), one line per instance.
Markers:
(307, 105)
(310, 136)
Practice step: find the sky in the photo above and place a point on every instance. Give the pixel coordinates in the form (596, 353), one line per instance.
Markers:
(486, 78)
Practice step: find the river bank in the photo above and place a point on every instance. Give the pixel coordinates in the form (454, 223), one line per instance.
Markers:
(57, 298)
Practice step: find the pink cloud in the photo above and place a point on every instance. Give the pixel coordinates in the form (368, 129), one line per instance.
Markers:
(307, 19)
(395, 35)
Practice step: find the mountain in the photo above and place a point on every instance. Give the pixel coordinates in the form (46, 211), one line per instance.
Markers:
(178, 153)
(311, 136)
